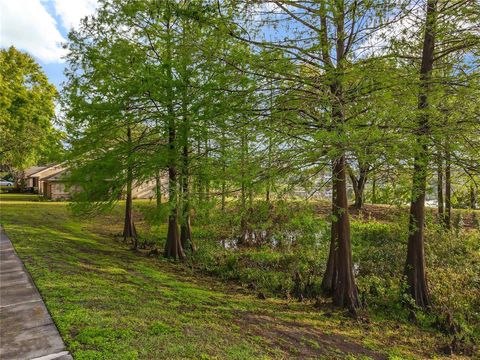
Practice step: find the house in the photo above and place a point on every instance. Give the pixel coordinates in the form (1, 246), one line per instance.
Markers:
(36, 175)
(49, 181)
(29, 181)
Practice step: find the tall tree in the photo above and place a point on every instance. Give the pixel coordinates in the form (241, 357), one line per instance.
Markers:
(415, 263)
(107, 133)
(27, 112)
(444, 35)
(325, 42)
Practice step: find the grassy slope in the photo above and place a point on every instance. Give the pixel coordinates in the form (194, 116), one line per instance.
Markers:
(110, 303)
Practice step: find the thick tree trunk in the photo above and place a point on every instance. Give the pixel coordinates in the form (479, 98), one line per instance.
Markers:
(448, 190)
(415, 263)
(186, 235)
(328, 280)
(345, 291)
(441, 211)
(173, 246)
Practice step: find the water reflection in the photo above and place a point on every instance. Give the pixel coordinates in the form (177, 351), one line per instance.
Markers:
(276, 240)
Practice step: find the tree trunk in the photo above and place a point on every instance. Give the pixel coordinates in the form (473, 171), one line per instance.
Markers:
(345, 291)
(158, 190)
(207, 176)
(358, 185)
(224, 188)
(441, 211)
(269, 158)
(200, 175)
(374, 190)
(243, 221)
(473, 205)
(129, 231)
(328, 280)
(448, 190)
(415, 263)
(224, 170)
(473, 198)
(186, 228)
(173, 246)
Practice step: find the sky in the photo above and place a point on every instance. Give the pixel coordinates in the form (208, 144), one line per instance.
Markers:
(39, 27)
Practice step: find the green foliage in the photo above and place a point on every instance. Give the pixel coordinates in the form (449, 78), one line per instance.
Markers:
(27, 111)
(379, 248)
(455, 282)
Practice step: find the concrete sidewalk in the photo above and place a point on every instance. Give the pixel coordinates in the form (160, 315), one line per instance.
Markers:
(26, 328)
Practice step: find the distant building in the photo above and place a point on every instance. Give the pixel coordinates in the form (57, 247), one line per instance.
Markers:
(54, 186)
(50, 182)
(36, 175)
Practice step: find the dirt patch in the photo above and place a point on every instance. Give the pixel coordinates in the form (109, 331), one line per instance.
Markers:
(302, 341)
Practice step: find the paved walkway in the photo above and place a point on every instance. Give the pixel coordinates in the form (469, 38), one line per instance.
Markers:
(26, 328)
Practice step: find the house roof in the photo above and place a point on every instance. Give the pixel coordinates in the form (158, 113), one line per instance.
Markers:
(33, 170)
(46, 168)
(58, 176)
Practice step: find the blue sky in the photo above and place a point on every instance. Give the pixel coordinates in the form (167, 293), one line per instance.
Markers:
(39, 27)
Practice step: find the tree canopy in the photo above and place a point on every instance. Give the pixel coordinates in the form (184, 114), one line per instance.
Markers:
(264, 99)
(27, 112)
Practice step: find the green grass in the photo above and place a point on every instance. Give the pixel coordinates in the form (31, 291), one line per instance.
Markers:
(20, 197)
(111, 303)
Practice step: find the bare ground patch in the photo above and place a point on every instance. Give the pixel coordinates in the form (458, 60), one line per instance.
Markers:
(302, 341)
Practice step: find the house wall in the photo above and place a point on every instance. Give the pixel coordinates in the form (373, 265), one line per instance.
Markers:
(54, 188)
(146, 190)
(57, 191)
(48, 190)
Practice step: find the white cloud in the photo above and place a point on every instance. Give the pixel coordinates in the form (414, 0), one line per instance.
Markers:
(71, 12)
(28, 26)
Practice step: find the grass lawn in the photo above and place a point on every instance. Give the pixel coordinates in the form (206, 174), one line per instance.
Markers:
(111, 303)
